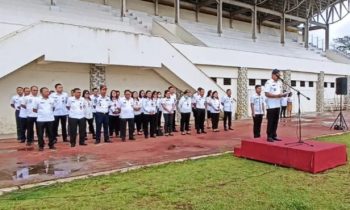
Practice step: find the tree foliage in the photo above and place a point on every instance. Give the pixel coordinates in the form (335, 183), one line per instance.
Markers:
(343, 44)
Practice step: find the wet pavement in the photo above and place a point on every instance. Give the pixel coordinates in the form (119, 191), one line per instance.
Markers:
(20, 164)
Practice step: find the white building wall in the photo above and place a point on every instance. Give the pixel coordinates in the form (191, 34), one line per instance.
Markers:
(43, 75)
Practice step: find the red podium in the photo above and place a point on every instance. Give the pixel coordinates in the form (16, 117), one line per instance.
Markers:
(319, 157)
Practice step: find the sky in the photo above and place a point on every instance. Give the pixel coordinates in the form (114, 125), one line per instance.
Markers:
(339, 29)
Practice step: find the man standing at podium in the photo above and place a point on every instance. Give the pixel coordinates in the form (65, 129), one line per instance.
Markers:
(273, 93)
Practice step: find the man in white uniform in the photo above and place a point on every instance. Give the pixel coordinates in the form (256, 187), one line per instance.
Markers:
(28, 103)
(127, 109)
(23, 116)
(60, 99)
(15, 103)
(76, 107)
(273, 93)
(258, 110)
(227, 102)
(45, 108)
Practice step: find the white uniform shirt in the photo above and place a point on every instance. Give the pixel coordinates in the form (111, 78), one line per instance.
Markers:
(45, 108)
(76, 107)
(88, 109)
(29, 102)
(273, 87)
(185, 104)
(169, 104)
(94, 102)
(60, 103)
(257, 101)
(22, 111)
(290, 99)
(201, 102)
(149, 106)
(113, 109)
(284, 101)
(137, 104)
(126, 108)
(215, 105)
(103, 104)
(16, 101)
(227, 103)
(194, 98)
(208, 100)
(159, 104)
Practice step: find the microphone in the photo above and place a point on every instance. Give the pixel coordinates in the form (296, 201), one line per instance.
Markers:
(278, 76)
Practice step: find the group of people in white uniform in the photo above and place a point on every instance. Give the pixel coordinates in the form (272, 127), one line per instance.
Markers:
(139, 113)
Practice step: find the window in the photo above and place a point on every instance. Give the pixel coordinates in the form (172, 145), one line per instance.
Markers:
(311, 84)
(227, 81)
(293, 83)
(302, 83)
(263, 81)
(325, 84)
(332, 84)
(214, 79)
(251, 82)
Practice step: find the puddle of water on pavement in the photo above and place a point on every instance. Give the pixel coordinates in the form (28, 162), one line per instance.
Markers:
(56, 168)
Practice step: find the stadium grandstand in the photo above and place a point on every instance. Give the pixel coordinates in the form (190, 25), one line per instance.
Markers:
(152, 44)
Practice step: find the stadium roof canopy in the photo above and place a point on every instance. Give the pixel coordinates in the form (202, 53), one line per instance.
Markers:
(311, 14)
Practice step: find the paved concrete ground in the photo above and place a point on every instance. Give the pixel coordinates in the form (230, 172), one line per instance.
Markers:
(22, 165)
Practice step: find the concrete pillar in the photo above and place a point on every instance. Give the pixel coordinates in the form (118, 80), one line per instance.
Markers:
(197, 13)
(177, 11)
(306, 34)
(231, 20)
(259, 24)
(219, 16)
(156, 8)
(320, 92)
(97, 76)
(283, 28)
(123, 8)
(242, 93)
(327, 37)
(287, 77)
(254, 18)
(105, 2)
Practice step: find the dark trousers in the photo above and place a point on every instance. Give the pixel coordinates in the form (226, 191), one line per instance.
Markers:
(114, 125)
(149, 119)
(18, 125)
(73, 127)
(173, 121)
(102, 120)
(215, 120)
(159, 119)
(272, 122)
(195, 117)
(90, 122)
(30, 129)
(23, 124)
(63, 120)
(185, 122)
(283, 112)
(48, 127)
(131, 126)
(257, 125)
(200, 119)
(168, 123)
(138, 122)
(227, 118)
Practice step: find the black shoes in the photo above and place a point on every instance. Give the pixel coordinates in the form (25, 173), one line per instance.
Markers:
(270, 139)
(132, 139)
(83, 144)
(276, 139)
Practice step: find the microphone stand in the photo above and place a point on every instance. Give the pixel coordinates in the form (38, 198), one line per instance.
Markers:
(300, 141)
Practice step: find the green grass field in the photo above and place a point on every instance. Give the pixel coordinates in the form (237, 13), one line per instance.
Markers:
(222, 182)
